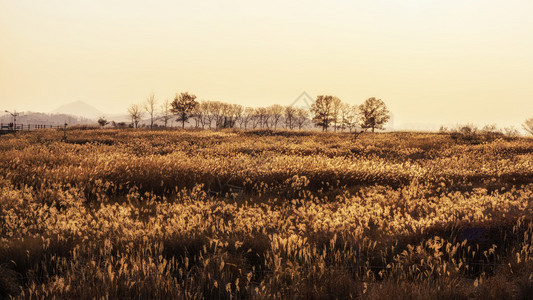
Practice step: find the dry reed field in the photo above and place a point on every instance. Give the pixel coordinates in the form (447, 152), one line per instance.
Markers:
(138, 214)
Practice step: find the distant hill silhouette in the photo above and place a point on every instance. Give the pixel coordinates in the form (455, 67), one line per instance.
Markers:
(80, 109)
(74, 113)
(36, 118)
(46, 119)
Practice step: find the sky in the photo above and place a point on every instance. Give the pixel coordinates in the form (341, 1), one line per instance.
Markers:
(439, 62)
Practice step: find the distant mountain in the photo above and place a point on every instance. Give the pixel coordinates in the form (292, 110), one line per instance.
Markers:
(80, 109)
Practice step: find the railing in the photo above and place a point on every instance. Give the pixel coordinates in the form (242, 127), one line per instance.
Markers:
(26, 127)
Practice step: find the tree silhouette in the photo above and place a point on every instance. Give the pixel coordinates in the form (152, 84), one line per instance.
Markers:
(103, 122)
(528, 126)
(166, 113)
(336, 106)
(183, 106)
(348, 116)
(322, 109)
(373, 114)
(150, 107)
(302, 116)
(276, 112)
(290, 115)
(135, 113)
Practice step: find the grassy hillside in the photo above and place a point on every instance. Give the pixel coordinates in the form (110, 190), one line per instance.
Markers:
(258, 214)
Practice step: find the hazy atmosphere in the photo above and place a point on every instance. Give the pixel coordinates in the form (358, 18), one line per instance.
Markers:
(266, 150)
(441, 62)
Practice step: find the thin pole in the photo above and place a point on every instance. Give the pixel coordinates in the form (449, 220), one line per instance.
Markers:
(14, 114)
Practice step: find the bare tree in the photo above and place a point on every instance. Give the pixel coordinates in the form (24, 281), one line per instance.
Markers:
(373, 114)
(246, 117)
(209, 109)
(198, 114)
(166, 113)
(491, 131)
(226, 115)
(348, 115)
(511, 131)
(217, 111)
(136, 114)
(150, 108)
(276, 112)
(183, 106)
(336, 105)
(290, 116)
(528, 126)
(264, 117)
(302, 116)
(256, 118)
(237, 113)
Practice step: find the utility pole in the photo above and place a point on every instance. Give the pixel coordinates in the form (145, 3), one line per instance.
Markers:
(14, 114)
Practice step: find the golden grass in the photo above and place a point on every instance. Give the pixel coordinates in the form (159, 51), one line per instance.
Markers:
(231, 214)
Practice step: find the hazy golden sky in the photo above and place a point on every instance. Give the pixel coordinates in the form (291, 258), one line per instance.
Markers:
(430, 61)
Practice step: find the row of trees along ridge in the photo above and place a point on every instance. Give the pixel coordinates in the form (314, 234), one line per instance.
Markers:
(326, 112)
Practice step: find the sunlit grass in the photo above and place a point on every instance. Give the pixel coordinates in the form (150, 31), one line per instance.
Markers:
(202, 214)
